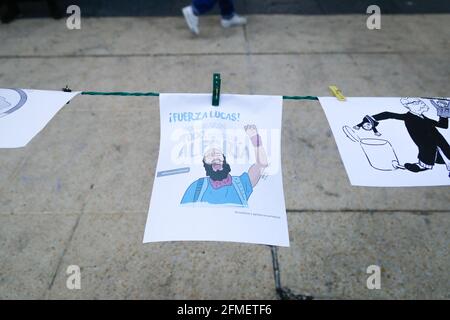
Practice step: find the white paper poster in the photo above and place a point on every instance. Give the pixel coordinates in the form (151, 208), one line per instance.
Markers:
(218, 176)
(392, 142)
(24, 113)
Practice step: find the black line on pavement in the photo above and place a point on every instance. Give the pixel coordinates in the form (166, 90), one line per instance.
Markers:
(283, 292)
(60, 260)
(369, 211)
(162, 55)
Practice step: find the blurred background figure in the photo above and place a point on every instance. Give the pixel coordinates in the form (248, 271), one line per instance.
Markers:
(199, 7)
(10, 9)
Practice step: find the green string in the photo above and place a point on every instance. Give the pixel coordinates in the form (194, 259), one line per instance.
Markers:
(155, 94)
(125, 94)
(300, 98)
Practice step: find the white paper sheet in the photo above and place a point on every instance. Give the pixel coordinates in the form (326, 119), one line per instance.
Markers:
(392, 142)
(186, 204)
(24, 113)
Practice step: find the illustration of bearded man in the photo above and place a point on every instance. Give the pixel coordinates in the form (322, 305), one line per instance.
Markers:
(219, 187)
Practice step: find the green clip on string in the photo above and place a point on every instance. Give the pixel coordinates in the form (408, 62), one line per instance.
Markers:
(155, 94)
(216, 90)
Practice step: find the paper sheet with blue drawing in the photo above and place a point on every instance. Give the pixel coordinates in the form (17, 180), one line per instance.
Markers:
(218, 176)
(392, 142)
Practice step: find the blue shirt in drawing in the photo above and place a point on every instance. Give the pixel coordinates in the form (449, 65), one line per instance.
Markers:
(236, 193)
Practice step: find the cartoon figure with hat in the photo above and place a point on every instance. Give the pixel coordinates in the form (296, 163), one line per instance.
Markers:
(432, 146)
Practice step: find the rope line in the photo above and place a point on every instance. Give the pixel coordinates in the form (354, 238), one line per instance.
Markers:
(300, 98)
(156, 94)
(125, 94)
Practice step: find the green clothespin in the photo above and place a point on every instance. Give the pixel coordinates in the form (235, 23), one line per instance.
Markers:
(216, 89)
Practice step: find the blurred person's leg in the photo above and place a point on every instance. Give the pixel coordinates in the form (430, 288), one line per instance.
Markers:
(203, 6)
(191, 16)
(11, 11)
(55, 10)
(226, 9)
(199, 7)
(229, 16)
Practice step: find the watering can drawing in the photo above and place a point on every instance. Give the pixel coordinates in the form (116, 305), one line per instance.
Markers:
(379, 152)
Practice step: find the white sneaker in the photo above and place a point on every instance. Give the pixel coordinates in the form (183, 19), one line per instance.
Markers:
(234, 21)
(191, 19)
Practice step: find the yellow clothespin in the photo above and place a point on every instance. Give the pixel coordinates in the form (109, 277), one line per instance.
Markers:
(337, 93)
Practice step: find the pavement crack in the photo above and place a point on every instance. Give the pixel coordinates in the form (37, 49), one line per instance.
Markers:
(203, 54)
(69, 240)
(60, 260)
(370, 211)
(248, 59)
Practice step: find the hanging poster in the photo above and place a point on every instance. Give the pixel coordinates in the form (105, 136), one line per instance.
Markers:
(392, 142)
(24, 113)
(218, 176)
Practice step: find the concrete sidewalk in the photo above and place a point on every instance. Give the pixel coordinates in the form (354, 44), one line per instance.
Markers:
(78, 193)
